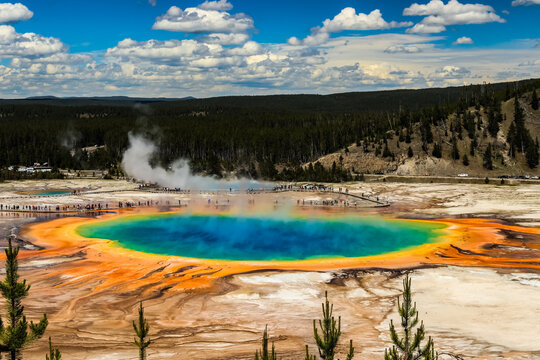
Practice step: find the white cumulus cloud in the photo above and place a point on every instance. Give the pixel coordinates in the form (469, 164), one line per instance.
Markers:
(438, 15)
(525, 2)
(407, 49)
(197, 20)
(169, 50)
(221, 5)
(27, 44)
(347, 19)
(10, 13)
(426, 29)
(225, 39)
(450, 72)
(463, 40)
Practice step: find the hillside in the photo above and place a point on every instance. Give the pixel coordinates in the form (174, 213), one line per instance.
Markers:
(363, 158)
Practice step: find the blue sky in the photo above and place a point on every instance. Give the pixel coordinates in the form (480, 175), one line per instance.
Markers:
(207, 48)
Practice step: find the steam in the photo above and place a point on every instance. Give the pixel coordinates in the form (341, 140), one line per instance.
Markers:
(69, 138)
(136, 162)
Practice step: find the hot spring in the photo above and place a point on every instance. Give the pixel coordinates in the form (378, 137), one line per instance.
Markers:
(264, 237)
(47, 192)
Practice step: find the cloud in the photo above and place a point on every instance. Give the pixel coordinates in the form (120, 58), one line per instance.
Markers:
(249, 48)
(177, 51)
(450, 72)
(463, 40)
(530, 63)
(525, 2)
(221, 5)
(426, 29)
(347, 19)
(11, 13)
(197, 20)
(224, 39)
(407, 49)
(54, 58)
(27, 44)
(318, 36)
(186, 54)
(438, 15)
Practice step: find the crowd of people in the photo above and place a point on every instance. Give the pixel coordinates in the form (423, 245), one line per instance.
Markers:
(98, 206)
(66, 207)
(340, 202)
(91, 206)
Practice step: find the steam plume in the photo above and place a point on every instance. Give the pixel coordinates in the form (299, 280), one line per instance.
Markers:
(136, 163)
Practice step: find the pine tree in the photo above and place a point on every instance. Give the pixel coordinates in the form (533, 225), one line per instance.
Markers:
(264, 353)
(511, 139)
(488, 162)
(455, 150)
(425, 130)
(18, 333)
(410, 152)
(532, 153)
(493, 124)
(409, 346)
(141, 328)
(408, 136)
(386, 151)
(437, 150)
(54, 354)
(465, 160)
(308, 355)
(330, 333)
(521, 133)
(350, 354)
(534, 100)
(474, 144)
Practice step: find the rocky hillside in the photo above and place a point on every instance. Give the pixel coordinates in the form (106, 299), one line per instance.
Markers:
(459, 145)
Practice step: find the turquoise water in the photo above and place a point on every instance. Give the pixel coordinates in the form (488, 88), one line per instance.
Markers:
(262, 237)
(52, 192)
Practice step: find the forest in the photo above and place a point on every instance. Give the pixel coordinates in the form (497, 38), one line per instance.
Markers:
(273, 137)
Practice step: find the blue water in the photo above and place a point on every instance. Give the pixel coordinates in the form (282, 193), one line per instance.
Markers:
(262, 237)
(52, 192)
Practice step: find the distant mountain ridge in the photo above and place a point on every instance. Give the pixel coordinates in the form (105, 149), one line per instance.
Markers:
(90, 100)
(381, 100)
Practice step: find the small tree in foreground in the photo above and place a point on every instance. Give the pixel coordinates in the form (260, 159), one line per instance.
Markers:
(408, 344)
(141, 328)
(54, 353)
(330, 329)
(18, 333)
(264, 353)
